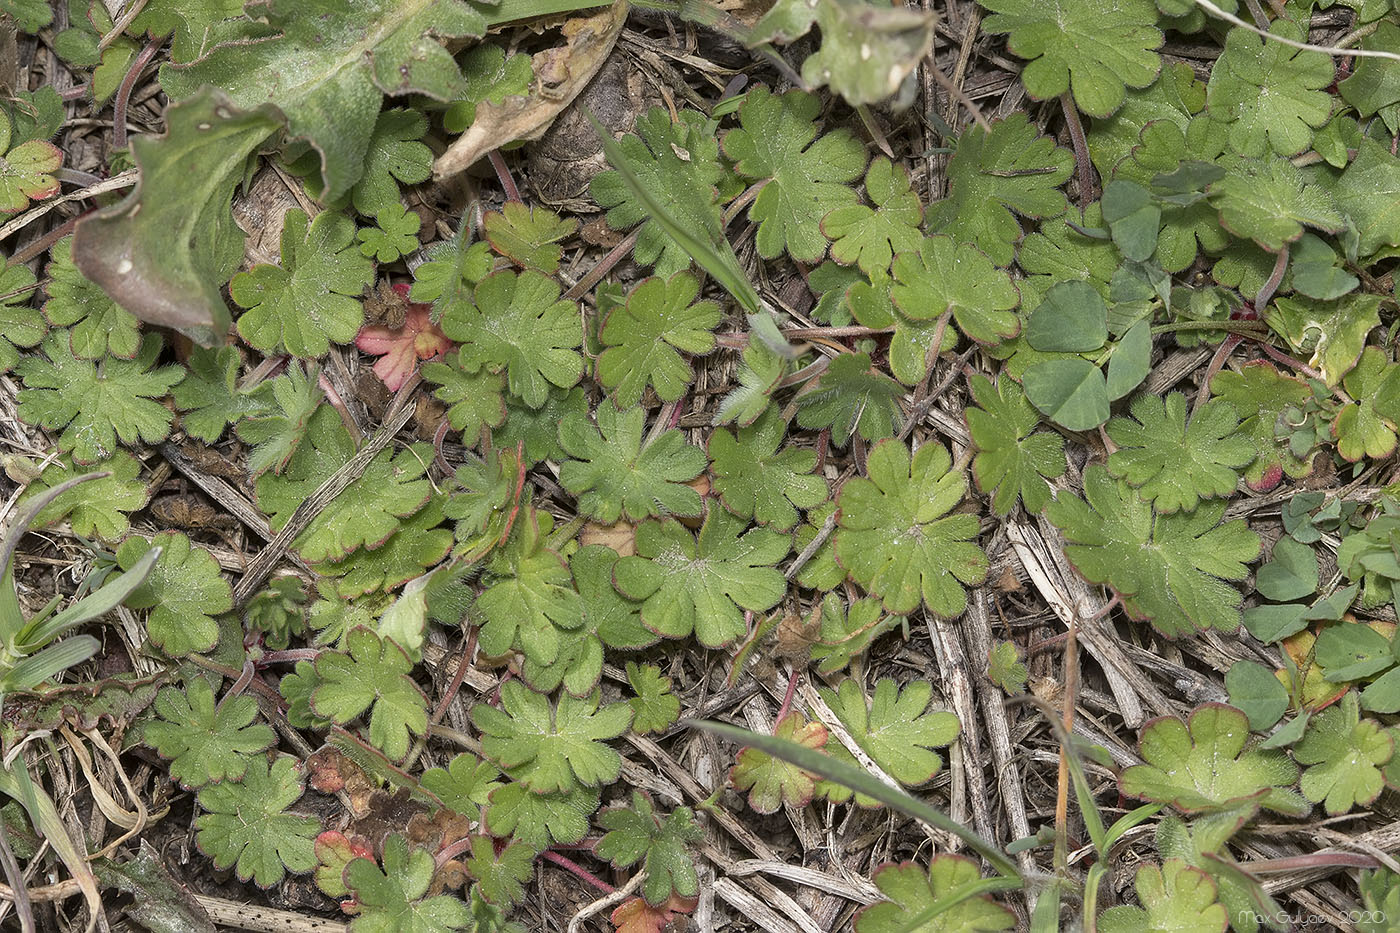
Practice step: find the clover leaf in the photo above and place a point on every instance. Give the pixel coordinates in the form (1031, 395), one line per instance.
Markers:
(1203, 765)
(755, 480)
(1175, 897)
(312, 299)
(894, 728)
(371, 672)
(895, 536)
(96, 403)
(644, 338)
(911, 892)
(1343, 753)
(1168, 569)
(1270, 94)
(392, 900)
(656, 708)
(206, 743)
(678, 163)
(1013, 459)
(948, 278)
(1094, 49)
(1260, 394)
(99, 326)
(851, 396)
(517, 324)
(1174, 464)
(209, 398)
(528, 236)
(807, 177)
(993, 176)
(541, 819)
(287, 404)
(552, 748)
(616, 471)
(97, 507)
(638, 834)
(246, 826)
(870, 237)
(703, 584)
(184, 591)
(773, 782)
(529, 594)
(464, 785)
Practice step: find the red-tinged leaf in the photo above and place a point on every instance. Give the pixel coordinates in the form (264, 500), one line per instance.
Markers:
(399, 350)
(637, 916)
(772, 782)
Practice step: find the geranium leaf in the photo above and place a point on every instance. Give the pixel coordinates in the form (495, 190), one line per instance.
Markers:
(371, 673)
(771, 781)
(1172, 463)
(184, 591)
(246, 826)
(1013, 459)
(206, 743)
(644, 339)
(755, 480)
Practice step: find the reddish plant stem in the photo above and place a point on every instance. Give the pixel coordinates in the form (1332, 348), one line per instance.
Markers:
(449, 852)
(1315, 860)
(42, 244)
(339, 405)
(1217, 362)
(438, 437)
(290, 655)
(1271, 284)
(245, 677)
(124, 92)
(793, 677)
(1084, 167)
(498, 163)
(604, 266)
(74, 93)
(571, 866)
(457, 676)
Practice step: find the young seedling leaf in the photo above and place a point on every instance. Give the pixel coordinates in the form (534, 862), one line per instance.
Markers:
(184, 592)
(639, 834)
(208, 397)
(528, 236)
(870, 237)
(475, 397)
(1013, 459)
(755, 480)
(465, 784)
(944, 277)
(541, 819)
(771, 781)
(851, 396)
(97, 507)
(280, 417)
(656, 709)
(206, 743)
(392, 899)
(1174, 897)
(1343, 753)
(644, 339)
(371, 673)
(529, 595)
(895, 726)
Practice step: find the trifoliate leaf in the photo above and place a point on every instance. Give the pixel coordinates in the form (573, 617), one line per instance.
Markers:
(99, 326)
(807, 177)
(1094, 49)
(312, 299)
(616, 471)
(208, 397)
(416, 544)
(852, 396)
(870, 237)
(772, 782)
(645, 337)
(1332, 332)
(1013, 459)
(703, 585)
(1005, 668)
(489, 76)
(1366, 426)
(1270, 94)
(1175, 897)
(371, 672)
(1203, 765)
(609, 619)
(366, 512)
(246, 826)
(517, 324)
(540, 819)
(206, 743)
(280, 417)
(678, 163)
(552, 748)
(1368, 193)
(1270, 202)
(392, 900)
(639, 834)
(96, 508)
(993, 177)
(95, 404)
(328, 74)
(184, 591)
(847, 633)
(912, 892)
(529, 594)
(895, 727)
(474, 398)
(655, 707)
(1173, 464)
(1343, 753)
(755, 480)
(944, 277)
(895, 536)
(394, 234)
(528, 236)
(465, 784)
(1169, 569)
(1291, 572)
(395, 157)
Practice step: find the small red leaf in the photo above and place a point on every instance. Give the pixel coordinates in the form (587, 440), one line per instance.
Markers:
(400, 349)
(637, 916)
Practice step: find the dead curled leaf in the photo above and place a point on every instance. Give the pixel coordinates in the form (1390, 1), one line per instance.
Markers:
(560, 75)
